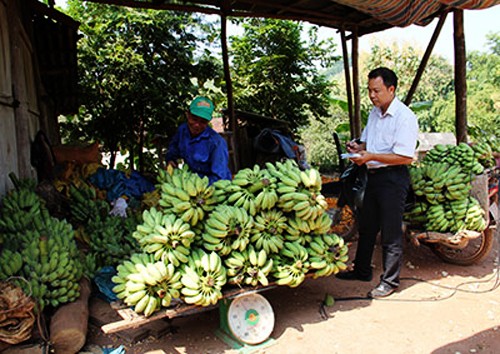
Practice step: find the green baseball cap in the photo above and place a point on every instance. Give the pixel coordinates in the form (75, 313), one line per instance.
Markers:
(202, 107)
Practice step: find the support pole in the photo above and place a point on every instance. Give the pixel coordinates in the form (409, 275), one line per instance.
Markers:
(347, 73)
(356, 127)
(460, 76)
(229, 88)
(425, 58)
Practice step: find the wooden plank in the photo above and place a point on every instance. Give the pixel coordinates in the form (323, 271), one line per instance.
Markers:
(132, 320)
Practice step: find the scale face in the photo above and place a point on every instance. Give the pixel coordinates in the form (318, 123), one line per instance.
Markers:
(250, 318)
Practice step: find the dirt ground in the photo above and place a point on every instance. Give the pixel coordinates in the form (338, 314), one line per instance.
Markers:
(439, 308)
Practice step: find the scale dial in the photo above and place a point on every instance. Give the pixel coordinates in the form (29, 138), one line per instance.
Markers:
(250, 318)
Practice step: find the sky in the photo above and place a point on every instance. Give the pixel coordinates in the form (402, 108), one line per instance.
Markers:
(477, 24)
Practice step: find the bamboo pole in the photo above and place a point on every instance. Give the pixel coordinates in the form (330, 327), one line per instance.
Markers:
(425, 58)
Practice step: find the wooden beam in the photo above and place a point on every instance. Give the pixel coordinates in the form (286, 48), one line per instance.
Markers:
(460, 76)
(425, 58)
(356, 124)
(347, 74)
(229, 88)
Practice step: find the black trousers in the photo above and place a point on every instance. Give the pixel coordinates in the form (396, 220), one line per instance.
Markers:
(382, 210)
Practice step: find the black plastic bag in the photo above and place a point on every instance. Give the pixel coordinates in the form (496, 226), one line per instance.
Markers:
(354, 180)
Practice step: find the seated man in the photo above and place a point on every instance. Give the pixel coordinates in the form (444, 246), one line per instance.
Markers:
(201, 147)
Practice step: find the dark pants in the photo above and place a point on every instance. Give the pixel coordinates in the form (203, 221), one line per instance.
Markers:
(383, 207)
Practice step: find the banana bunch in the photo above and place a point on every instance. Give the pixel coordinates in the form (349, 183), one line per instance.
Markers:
(327, 255)
(52, 265)
(227, 228)
(113, 234)
(203, 278)
(269, 229)
(455, 216)
(222, 189)
(292, 264)
(484, 154)
(249, 267)
(151, 199)
(462, 155)
(417, 215)
(20, 209)
(440, 181)
(303, 230)
(85, 204)
(290, 175)
(11, 263)
(166, 236)
(146, 284)
(257, 185)
(186, 195)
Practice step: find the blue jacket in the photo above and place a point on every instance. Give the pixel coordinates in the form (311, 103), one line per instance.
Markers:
(205, 154)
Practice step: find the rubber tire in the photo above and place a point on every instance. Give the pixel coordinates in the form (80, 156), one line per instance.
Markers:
(460, 257)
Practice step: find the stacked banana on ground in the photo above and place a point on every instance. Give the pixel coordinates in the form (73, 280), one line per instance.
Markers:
(442, 184)
(186, 194)
(146, 284)
(40, 249)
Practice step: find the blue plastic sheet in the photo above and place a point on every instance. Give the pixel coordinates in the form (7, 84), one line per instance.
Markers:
(104, 283)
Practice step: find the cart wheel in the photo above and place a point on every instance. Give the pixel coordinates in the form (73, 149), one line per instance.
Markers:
(476, 250)
(344, 222)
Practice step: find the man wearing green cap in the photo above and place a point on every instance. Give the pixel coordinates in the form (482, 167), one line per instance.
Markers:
(201, 147)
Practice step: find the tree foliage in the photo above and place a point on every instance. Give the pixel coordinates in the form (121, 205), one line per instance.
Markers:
(277, 73)
(136, 72)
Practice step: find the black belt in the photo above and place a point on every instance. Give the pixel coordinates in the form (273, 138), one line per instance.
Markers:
(373, 171)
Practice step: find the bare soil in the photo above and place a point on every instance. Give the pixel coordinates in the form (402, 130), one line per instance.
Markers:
(439, 308)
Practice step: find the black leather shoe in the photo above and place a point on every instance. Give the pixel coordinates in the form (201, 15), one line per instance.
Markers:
(353, 275)
(382, 290)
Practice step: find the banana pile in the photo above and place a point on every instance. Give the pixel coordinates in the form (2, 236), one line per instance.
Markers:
(146, 284)
(261, 227)
(85, 205)
(185, 194)
(442, 185)
(39, 248)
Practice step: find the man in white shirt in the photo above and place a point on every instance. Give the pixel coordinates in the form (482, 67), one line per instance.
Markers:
(387, 145)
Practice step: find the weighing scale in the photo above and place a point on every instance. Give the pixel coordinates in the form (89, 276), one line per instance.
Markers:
(247, 318)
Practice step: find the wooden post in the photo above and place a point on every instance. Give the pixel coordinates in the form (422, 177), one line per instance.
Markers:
(229, 88)
(460, 77)
(347, 74)
(425, 58)
(356, 127)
